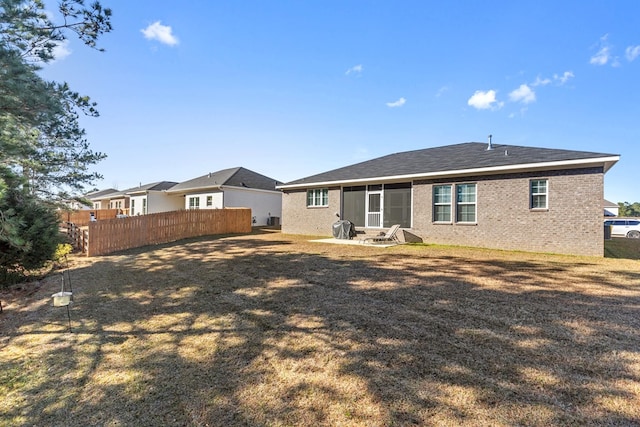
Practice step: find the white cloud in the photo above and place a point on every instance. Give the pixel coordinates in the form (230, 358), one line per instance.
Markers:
(559, 79)
(541, 82)
(632, 52)
(520, 113)
(564, 77)
(604, 52)
(485, 100)
(523, 94)
(161, 33)
(602, 57)
(356, 69)
(399, 103)
(441, 91)
(61, 50)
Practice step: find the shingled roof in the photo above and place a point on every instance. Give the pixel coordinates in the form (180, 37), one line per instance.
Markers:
(96, 195)
(154, 186)
(233, 177)
(463, 159)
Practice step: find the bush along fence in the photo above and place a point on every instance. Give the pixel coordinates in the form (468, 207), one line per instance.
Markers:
(105, 236)
(78, 235)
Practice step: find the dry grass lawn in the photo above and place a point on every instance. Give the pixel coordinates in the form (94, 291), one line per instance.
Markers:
(271, 330)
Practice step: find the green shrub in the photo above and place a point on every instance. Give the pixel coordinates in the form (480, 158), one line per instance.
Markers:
(29, 237)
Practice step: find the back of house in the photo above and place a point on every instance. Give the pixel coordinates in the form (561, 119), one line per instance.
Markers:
(472, 194)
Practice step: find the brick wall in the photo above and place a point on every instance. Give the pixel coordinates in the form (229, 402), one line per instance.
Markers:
(572, 224)
(297, 218)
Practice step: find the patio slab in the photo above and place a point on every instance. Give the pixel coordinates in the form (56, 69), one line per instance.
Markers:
(353, 242)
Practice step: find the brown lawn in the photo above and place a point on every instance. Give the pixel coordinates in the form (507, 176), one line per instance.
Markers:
(271, 330)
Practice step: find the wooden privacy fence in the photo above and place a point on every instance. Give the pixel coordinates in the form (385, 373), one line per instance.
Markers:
(83, 217)
(111, 235)
(78, 235)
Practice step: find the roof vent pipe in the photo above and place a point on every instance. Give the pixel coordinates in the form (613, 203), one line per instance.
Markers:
(490, 147)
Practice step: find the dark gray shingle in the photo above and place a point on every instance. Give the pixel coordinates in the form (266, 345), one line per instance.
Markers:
(236, 177)
(154, 186)
(468, 155)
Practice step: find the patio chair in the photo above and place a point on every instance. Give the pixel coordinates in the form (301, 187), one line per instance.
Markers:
(389, 237)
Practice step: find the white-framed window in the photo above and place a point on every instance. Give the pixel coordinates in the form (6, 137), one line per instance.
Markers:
(209, 200)
(442, 203)
(194, 202)
(539, 194)
(144, 206)
(466, 203)
(133, 207)
(318, 197)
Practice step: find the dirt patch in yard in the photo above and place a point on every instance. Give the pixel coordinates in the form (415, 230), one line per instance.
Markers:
(269, 329)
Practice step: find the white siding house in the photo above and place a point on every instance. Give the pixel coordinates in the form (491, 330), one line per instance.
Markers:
(235, 187)
(104, 199)
(264, 204)
(152, 198)
(610, 208)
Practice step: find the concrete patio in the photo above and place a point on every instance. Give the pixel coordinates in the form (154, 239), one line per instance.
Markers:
(354, 242)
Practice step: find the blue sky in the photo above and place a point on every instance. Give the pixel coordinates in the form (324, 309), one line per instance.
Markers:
(293, 88)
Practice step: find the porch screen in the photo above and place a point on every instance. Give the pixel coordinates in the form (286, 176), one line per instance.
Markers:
(397, 205)
(353, 200)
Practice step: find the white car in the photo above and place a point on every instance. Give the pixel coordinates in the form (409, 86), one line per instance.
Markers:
(625, 227)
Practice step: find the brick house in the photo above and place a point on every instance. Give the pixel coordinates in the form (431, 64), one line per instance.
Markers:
(472, 194)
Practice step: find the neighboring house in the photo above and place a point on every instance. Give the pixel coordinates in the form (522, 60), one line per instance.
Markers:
(152, 198)
(118, 200)
(101, 199)
(610, 208)
(475, 194)
(235, 187)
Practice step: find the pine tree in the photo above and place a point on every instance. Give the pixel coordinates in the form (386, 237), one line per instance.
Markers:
(45, 158)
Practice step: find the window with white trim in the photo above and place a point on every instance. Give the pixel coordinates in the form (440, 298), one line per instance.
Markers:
(442, 203)
(318, 197)
(194, 202)
(539, 194)
(144, 206)
(133, 207)
(466, 203)
(209, 200)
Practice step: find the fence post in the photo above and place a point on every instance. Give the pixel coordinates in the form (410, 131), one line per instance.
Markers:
(85, 241)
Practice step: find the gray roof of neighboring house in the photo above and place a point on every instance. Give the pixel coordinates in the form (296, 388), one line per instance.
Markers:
(101, 194)
(608, 204)
(458, 157)
(154, 186)
(233, 177)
